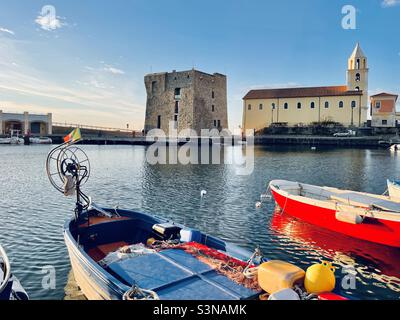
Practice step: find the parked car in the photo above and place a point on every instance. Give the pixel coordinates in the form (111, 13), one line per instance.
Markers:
(349, 133)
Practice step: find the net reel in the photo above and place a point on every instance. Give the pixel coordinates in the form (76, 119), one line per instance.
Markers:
(68, 169)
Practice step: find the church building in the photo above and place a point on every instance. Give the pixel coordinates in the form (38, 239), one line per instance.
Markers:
(347, 104)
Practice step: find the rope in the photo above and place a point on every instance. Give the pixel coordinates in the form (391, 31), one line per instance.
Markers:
(136, 293)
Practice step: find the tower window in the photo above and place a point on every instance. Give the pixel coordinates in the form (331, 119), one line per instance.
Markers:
(358, 64)
(212, 108)
(273, 106)
(249, 107)
(299, 105)
(286, 106)
(215, 123)
(176, 118)
(357, 88)
(176, 106)
(378, 105)
(353, 104)
(341, 104)
(213, 94)
(219, 123)
(326, 104)
(260, 106)
(312, 105)
(159, 122)
(358, 77)
(177, 91)
(153, 87)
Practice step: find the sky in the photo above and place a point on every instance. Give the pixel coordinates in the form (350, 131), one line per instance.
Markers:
(86, 61)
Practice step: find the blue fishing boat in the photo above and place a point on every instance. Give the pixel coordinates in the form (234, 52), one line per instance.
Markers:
(10, 287)
(123, 254)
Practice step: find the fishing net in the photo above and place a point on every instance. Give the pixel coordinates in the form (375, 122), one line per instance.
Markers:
(228, 266)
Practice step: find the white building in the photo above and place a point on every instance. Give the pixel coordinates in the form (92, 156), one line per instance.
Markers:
(26, 123)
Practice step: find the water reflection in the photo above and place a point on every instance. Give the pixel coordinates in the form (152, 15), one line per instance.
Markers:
(32, 213)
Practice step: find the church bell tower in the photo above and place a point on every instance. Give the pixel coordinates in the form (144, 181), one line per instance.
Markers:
(357, 78)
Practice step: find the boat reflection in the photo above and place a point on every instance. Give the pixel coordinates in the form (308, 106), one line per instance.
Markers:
(369, 260)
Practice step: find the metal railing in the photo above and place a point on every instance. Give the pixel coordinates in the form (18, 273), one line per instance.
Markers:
(90, 127)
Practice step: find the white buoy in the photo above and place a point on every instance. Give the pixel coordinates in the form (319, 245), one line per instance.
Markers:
(203, 193)
(258, 204)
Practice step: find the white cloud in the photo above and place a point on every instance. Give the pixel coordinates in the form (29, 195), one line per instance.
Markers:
(390, 3)
(113, 70)
(7, 31)
(49, 22)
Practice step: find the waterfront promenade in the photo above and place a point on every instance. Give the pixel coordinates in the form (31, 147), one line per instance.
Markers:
(363, 141)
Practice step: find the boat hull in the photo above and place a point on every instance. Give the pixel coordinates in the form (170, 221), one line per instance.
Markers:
(94, 283)
(380, 231)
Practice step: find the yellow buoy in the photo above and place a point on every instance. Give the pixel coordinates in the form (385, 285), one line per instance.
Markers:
(320, 278)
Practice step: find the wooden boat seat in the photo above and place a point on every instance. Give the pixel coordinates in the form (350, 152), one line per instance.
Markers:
(362, 200)
(100, 252)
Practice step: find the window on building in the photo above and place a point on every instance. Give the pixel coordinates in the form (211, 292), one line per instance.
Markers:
(212, 108)
(215, 123)
(358, 64)
(357, 88)
(260, 106)
(358, 77)
(176, 118)
(177, 91)
(176, 106)
(153, 87)
(353, 104)
(378, 104)
(213, 94)
(159, 122)
(286, 106)
(312, 105)
(384, 122)
(298, 105)
(219, 123)
(326, 104)
(273, 106)
(249, 107)
(341, 104)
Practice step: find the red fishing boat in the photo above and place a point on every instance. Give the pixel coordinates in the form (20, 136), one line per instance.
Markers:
(360, 215)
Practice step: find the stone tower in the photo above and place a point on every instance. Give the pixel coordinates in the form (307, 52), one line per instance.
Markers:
(187, 100)
(357, 78)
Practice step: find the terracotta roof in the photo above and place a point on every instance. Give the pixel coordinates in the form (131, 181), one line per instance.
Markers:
(384, 94)
(300, 92)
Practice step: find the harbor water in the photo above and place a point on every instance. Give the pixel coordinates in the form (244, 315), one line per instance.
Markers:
(32, 213)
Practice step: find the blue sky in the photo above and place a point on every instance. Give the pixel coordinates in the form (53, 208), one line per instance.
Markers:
(87, 65)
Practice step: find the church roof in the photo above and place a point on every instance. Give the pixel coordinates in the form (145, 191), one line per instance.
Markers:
(357, 52)
(300, 92)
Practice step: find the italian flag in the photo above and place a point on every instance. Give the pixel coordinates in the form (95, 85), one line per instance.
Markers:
(74, 136)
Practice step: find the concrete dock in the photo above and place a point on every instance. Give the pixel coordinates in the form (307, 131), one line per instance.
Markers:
(72, 290)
